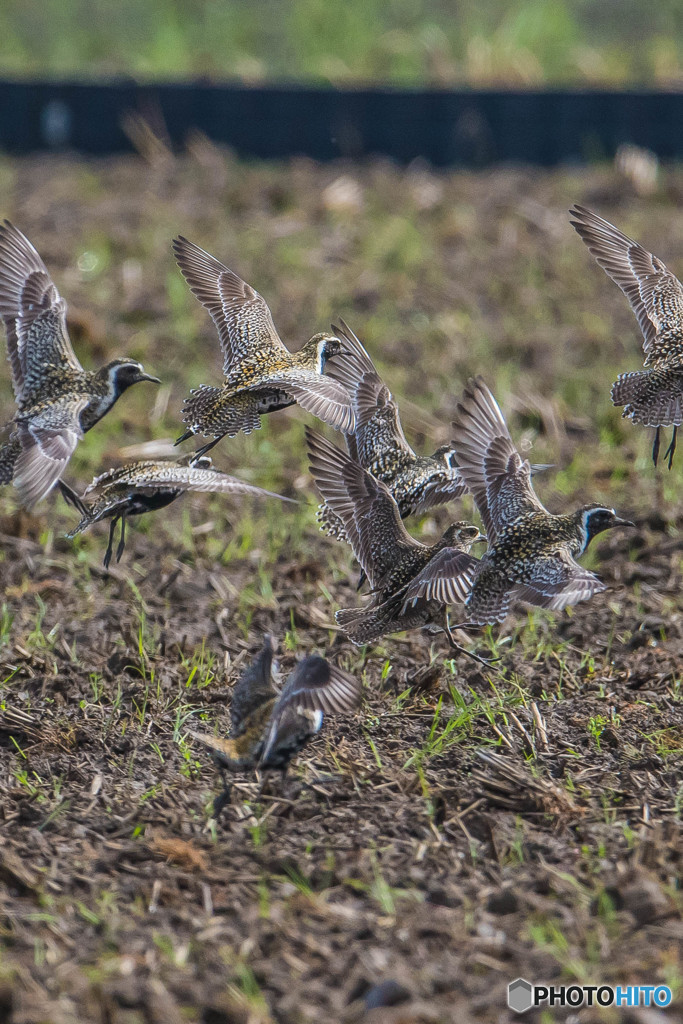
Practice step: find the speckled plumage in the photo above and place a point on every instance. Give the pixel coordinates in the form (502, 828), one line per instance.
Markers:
(145, 486)
(652, 396)
(261, 375)
(395, 563)
(531, 553)
(57, 400)
(268, 729)
(416, 482)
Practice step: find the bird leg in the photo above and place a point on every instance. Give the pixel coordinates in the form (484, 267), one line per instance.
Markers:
(448, 630)
(223, 797)
(122, 539)
(669, 453)
(71, 498)
(221, 800)
(655, 447)
(110, 542)
(206, 447)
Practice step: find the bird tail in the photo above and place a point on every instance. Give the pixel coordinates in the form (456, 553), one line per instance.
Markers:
(211, 412)
(330, 523)
(9, 453)
(361, 625)
(365, 625)
(488, 602)
(652, 397)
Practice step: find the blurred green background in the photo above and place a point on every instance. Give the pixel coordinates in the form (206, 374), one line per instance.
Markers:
(402, 42)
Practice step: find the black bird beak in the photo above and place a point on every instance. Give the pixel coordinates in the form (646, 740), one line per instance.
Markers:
(480, 537)
(150, 378)
(622, 522)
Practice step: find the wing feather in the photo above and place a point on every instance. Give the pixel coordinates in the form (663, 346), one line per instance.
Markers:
(655, 294)
(241, 316)
(490, 465)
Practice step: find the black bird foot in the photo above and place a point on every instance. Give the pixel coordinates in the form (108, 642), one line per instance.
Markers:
(669, 453)
(122, 540)
(655, 447)
(221, 801)
(110, 543)
(205, 447)
(487, 662)
(448, 629)
(71, 498)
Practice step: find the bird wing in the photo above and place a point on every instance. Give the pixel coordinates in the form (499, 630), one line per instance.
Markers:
(152, 477)
(116, 475)
(319, 395)
(47, 443)
(317, 685)
(655, 294)
(253, 689)
(314, 688)
(557, 582)
(447, 578)
(378, 425)
(33, 312)
(242, 317)
(492, 468)
(440, 492)
(365, 506)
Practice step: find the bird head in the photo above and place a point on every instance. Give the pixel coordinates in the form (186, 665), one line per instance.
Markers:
(462, 535)
(324, 346)
(446, 453)
(595, 518)
(122, 373)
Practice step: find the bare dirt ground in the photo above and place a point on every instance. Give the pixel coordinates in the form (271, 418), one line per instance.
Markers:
(467, 826)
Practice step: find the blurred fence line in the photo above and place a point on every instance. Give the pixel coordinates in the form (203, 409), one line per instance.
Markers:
(468, 128)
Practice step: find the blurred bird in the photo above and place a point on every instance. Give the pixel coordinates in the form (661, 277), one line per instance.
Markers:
(378, 444)
(140, 487)
(653, 396)
(394, 562)
(58, 401)
(267, 729)
(531, 553)
(261, 375)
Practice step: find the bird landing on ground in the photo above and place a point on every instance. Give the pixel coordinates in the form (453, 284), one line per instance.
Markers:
(267, 729)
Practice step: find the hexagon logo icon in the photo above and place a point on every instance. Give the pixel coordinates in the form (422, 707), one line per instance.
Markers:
(520, 995)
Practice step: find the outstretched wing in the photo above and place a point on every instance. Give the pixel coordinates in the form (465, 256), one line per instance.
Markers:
(319, 395)
(314, 688)
(447, 578)
(153, 477)
(558, 582)
(378, 426)
(47, 443)
(317, 685)
(492, 468)
(365, 506)
(441, 492)
(242, 317)
(33, 312)
(655, 294)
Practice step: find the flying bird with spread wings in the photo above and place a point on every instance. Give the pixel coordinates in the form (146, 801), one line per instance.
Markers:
(261, 375)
